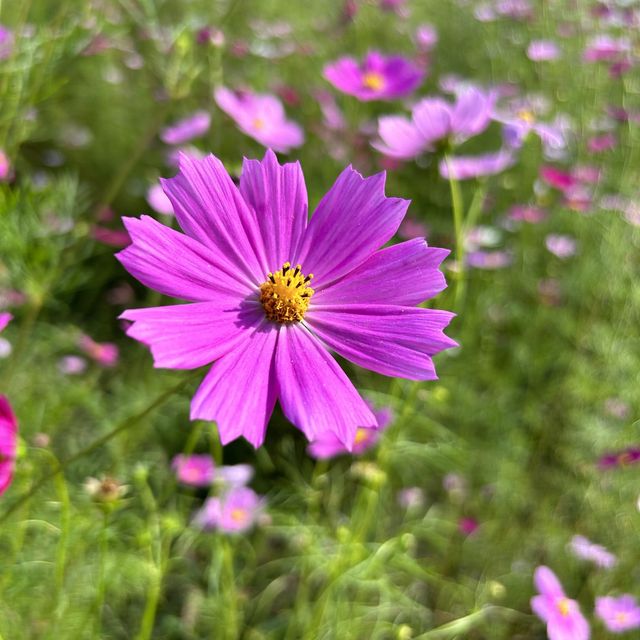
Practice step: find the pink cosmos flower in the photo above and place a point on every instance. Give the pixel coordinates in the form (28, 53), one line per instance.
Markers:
(586, 550)
(196, 470)
(468, 167)
(262, 117)
(543, 50)
(562, 615)
(5, 319)
(270, 292)
(527, 213)
(488, 260)
(235, 475)
(557, 178)
(8, 443)
(605, 48)
(426, 38)
(467, 526)
(605, 142)
(105, 354)
(158, 200)
(562, 246)
(234, 512)
(328, 445)
(72, 365)
(5, 167)
(434, 120)
(622, 458)
(187, 129)
(618, 614)
(6, 42)
(378, 77)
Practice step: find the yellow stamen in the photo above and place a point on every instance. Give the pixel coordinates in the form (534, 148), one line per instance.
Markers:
(624, 458)
(238, 515)
(258, 124)
(621, 617)
(361, 435)
(373, 80)
(563, 606)
(526, 116)
(286, 294)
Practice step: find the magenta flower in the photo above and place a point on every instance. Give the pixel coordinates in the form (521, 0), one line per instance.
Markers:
(5, 167)
(234, 512)
(5, 319)
(620, 458)
(267, 323)
(434, 120)
(562, 615)
(467, 526)
(8, 443)
(6, 42)
(187, 129)
(328, 445)
(605, 142)
(105, 354)
(557, 178)
(543, 50)
(583, 548)
(468, 167)
(262, 117)
(607, 49)
(196, 470)
(618, 614)
(426, 38)
(158, 200)
(378, 77)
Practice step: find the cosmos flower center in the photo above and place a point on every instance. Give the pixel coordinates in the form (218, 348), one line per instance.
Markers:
(238, 515)
(526, 116)
(361, 436)
(286, 294)
(258, 124)
(625, 458)
(373, 80)
(563, 606)
(621, 617)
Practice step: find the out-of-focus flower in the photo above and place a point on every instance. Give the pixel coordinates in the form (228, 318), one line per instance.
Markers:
(332, 117)
(328, 445)
(186, 129)
(587, 174)
(262, 117)
(605, 142)
(550, 292)
(105, 354)
(235, 475)
(378, 77)
(623, 458)
(5, 167)
(488, 259)
(434, 120)
(412, 228)
(72, 365)
(519, 118)
(158, 200)
(617, 408)
(106, 489)
(234, 512)
(562, 615)
(578, 198)
(111, 237)
(467, 526)
(586, 550)
(468, 167)
(210, 35)
(560, 245)
(605, 48)
(393, 5)
(234, 263)
(5, 319)
(618, 614)
(411, 498)
(8, 443)
(6, 42)
(543, 50)
(196, 470)
(426, 38)
(557, 178)
(514, 9)
(527, 213)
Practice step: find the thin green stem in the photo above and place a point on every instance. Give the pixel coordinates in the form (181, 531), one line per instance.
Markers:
(126, 424)
(102, 574)
(458, 226)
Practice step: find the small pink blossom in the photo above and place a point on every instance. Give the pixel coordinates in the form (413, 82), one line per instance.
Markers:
(196, 470)
(8, 443)
(187, 129)
(111, 237)
(6, 42)
(618, 614)
(488, 260)
(583, 548)
(527, 213)
(562, 615)
(5, 167)
(562, 246)
(467, 526)
(5, 319)
(543, 50)
(235, 512)
(72, 365)
(605, 142)
(105, 354)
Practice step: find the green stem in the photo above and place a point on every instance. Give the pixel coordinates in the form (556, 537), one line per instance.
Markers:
(102, 574)
(126, 424)
(458, 226)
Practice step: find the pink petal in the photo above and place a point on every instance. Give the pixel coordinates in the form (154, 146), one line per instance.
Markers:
(278, 196)
(388, 339)
(403, 274)
(547, 582)
(239, 392)
(432, 117)
(352, 220)
(176, 265)
(399, 138)
(188, 336)
(315, 393)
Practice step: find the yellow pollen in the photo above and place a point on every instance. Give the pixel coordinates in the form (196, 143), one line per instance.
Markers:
(286, 294)
(373, 80)
(563, 606)
(621, 617)
(624, 458)
(258, 124)
(238, 515)
(361, 435)
(526, 116)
